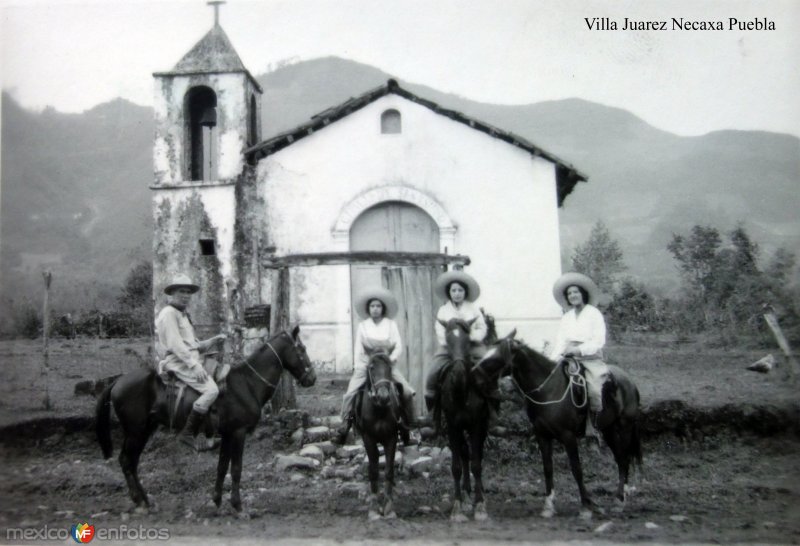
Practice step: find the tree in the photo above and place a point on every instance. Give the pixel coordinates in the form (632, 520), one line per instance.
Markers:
(697, 257)
(136, 301)
(599, 257)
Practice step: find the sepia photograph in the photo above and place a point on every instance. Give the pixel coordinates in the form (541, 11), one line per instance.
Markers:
(400, 271)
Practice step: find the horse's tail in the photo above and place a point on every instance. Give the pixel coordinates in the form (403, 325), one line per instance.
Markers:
(103, 421)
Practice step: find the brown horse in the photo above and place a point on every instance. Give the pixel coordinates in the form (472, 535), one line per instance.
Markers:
(139, 401)
(466, 414)
(378, 422)
(556, 403)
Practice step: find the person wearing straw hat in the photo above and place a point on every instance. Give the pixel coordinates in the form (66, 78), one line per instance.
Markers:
(582, 333)
(179, 350)
(376, 333)
(460, 291)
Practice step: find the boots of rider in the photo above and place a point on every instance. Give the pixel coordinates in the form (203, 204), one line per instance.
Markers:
(343, 430)
(192, 427)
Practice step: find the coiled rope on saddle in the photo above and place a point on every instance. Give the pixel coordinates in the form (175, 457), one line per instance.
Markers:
(574, 379)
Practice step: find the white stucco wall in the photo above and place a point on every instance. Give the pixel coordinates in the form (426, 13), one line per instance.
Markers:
(501, 202)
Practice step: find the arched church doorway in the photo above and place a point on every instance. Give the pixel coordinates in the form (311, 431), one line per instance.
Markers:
(396, 226)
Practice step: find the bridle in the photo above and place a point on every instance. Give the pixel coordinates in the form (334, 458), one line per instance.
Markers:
(375, 384)
(298, 347)
(575, 378)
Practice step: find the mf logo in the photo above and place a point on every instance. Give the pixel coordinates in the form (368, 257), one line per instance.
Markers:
(82, 533)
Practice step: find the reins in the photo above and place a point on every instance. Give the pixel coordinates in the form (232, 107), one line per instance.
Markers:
(574, 379)
(258, 375)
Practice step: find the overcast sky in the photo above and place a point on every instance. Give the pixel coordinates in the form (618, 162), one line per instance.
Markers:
(73, 55)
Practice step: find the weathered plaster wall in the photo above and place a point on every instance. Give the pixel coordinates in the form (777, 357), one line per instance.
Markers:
(501, 200)
(169, 152)
(182, 217)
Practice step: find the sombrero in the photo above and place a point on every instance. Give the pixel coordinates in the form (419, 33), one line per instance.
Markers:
(181, 281)
(444, 280)
(575, 279)
(376, 293)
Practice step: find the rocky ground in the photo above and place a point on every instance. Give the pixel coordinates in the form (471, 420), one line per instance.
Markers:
(721, 465)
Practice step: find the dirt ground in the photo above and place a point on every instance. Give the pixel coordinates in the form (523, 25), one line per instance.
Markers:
(721, 464)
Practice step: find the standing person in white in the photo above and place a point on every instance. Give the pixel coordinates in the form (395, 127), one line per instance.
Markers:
(582, 332)
(179, 350)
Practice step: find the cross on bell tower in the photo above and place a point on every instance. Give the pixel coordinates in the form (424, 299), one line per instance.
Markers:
(216, 4)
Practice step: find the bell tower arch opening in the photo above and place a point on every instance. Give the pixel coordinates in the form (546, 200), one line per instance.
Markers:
(200, 113)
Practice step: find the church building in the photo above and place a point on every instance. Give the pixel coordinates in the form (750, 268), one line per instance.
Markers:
(387, 188)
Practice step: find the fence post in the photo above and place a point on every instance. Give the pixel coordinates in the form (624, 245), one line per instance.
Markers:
(284, 396)
(772, 322)
(48, 277)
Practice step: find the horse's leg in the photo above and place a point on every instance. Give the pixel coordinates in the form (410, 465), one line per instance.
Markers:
(132, 448)
(389, 448)
(618, 437)
(222, 467)
(237, 452)
(371, 446)
(546, 449)
(476, 463)
(457, 446)
(571, 445)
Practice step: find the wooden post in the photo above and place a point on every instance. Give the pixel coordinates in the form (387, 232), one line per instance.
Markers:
(772, 322)
(284, 396)
(48, 277)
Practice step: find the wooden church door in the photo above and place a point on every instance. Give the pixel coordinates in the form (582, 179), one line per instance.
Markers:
(401, 227)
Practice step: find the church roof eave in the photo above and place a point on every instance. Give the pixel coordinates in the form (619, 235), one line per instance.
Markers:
(567, 176)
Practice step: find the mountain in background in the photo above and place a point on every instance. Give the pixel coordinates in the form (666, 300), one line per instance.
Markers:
(76, 197)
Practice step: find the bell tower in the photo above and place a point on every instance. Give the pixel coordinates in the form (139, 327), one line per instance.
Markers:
(206, 112)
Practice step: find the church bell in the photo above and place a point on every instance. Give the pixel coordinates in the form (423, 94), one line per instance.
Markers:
(209, 117)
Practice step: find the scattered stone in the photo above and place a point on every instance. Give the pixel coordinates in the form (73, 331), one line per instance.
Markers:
(297, 437)
(421, 465)
(350, 451)
(312, 451)
(318, 434)
(603, 527)
(327, 447)
(64, 513)
(125, 516)
(283, 462)
(292, 419)
(425, 509)
(651, 525)
(445, 455)
(99, 514)
(679, 519)
(411, 453)
(769, 524)
(297, 477)
(328, 472)
(426, 450)
(350, 487)
(763, 365)
(347, 473)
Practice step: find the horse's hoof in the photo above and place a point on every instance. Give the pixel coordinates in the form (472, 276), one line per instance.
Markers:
(390, 515)
(244, 516)
(585, 514)
(548, 513)
(481, 515)
(217, 500)
(458, 517)
(372, 515)
(237, 506)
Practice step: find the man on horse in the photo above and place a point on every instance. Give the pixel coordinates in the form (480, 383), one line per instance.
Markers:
(582, 335)
(460, 291)
(179, 351)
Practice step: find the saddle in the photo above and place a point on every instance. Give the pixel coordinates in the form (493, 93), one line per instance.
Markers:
(610, 395)
(174, 388)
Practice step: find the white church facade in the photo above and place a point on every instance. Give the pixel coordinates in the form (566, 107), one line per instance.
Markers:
(387, 188)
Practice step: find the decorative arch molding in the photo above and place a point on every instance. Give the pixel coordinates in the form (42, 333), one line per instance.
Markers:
(352, 210)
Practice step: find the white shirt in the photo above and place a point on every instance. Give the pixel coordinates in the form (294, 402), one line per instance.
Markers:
(587, 329)
(371, 337)
(467, 312)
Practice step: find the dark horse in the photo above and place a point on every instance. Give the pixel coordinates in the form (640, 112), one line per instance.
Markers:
(557, 406)
(139, 401)
(378, 421)
(466, 415)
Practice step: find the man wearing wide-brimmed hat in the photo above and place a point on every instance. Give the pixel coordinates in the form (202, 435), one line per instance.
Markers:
(179, 350)
(582, 332)
(376, 333)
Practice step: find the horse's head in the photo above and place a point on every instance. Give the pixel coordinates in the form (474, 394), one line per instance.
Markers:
(496, 361)
(456, 336)
(379, 380)
(294, 357)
